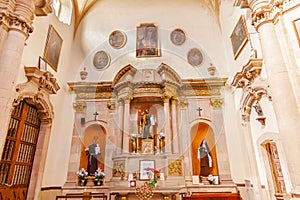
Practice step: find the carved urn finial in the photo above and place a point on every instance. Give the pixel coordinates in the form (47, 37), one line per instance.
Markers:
(211, 70)
(83, 74)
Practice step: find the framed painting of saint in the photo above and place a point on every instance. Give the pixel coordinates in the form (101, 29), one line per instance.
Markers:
(53, 47)
(239, 37)
(147, 41)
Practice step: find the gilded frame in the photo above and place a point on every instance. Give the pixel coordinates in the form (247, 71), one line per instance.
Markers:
(143, 165)
(296, 25)
(147, 146)
(52, 48)
(239, 37)
(147, 44)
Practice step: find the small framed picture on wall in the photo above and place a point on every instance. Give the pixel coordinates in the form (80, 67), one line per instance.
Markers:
(296, 24)
(42, 65)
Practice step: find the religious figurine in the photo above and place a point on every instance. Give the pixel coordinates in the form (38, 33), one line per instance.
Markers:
(92, 152)
(205, 159)
(147, 122)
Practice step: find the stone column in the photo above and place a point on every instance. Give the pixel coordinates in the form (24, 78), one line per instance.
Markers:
(255, 178)
(185, 140)
(175, 146)
(287, 115)
(126, 118)
(220, 140)
(20, 25)
(76, 145)
(6, 7)
(167, 127)
(120, 126)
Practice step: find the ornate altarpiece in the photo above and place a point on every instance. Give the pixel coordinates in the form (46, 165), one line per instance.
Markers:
(169, 99)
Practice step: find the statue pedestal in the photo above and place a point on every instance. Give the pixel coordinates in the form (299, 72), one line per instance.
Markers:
(90, 181)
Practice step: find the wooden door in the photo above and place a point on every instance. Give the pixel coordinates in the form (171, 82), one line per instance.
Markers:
(274, 162)
(18, 152)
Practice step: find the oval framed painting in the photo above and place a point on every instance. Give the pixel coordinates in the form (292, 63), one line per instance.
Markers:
(101, 59)
(117, 39)
(178, 36)
(194, 57)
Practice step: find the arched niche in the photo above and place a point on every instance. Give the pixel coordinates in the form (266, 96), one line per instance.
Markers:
(199, 132)
(92, 131)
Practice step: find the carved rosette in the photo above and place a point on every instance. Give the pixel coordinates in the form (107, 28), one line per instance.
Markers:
(217, 103)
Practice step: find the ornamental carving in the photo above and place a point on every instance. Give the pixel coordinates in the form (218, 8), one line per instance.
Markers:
(265, 12)
(175, 168)
(79, 106)
(37, 90)
(217, 103)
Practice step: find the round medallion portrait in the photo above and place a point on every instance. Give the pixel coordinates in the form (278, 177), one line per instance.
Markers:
(194, 57)
(101, 60)
(117, 39)
(178, 36)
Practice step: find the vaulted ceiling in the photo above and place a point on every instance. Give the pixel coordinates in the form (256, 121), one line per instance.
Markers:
(81, 8)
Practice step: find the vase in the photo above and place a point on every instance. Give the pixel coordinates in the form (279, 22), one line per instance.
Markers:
(82, 182)
(98, 183)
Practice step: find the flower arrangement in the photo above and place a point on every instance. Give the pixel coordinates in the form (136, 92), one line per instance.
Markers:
(82, 173)
(153, 175)
(99, 175)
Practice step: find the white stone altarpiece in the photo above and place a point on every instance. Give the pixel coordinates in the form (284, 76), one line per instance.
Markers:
(182, 114)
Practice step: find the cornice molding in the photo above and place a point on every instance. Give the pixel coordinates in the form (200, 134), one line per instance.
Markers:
(248, 73)
(42, 7)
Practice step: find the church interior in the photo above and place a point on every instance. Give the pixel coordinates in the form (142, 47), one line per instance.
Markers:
(127, 99)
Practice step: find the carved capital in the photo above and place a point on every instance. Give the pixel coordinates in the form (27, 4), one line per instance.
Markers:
(120, 102)
(111, 106)
(166, 98)
(4, 21)
(183, 104)
(17, 15)
(127, 99)
(217, 103)
(263, 12)
(174, 100)
(79, 106)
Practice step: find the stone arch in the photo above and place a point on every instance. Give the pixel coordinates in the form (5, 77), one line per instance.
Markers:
(250, 96)
(92, 130)
(202, 131)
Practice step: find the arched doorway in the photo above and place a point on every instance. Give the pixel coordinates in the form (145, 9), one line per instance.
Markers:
(19, 151)
(93, 134)
(199, 133)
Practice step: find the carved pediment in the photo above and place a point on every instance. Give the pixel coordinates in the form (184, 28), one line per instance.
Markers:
(37, 91)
